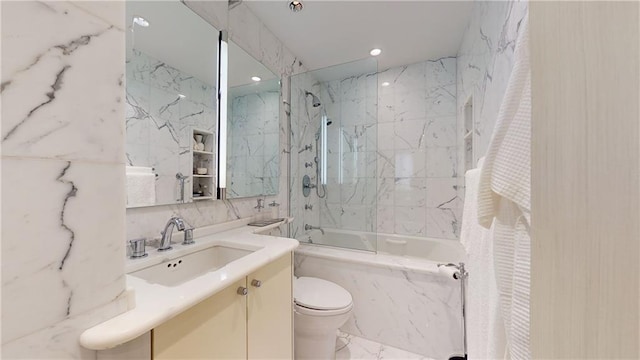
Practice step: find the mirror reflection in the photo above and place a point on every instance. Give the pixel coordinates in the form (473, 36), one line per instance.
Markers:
(171, 117)
(253, 145)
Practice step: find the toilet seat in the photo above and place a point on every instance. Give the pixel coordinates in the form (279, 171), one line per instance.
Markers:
(319, 313)
(317, 296)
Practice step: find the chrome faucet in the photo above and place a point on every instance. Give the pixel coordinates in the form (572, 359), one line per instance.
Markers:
(260, 205)
(165, 243)
(308, 227)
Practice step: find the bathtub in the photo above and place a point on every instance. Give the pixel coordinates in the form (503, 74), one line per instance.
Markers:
(400, 298)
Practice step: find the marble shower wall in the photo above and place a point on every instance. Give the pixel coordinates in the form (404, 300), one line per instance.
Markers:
(304, 124)
(253, 135)
(160, 122)
(350, 103)
(247, 31)
(485, 60)
(62, 174)
(417, 177)
(393, 162)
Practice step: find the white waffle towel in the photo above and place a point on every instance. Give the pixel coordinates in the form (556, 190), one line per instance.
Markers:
(485, 327)
(504, 200)
(141, 186)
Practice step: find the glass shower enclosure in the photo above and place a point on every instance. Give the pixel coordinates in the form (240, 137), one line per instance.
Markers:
(333, 155)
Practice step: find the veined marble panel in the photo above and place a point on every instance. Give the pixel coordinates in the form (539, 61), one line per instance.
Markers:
(60, 341)
(253, 140)
(484, 63)
(63, 174)
(58, 248)
(57, 63)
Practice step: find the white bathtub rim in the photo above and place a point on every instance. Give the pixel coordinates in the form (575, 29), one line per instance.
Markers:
(408, 263)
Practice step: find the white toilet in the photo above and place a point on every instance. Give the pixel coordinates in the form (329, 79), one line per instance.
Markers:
(321, 307)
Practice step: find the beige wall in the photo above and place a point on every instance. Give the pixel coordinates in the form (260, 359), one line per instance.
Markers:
(585, 188)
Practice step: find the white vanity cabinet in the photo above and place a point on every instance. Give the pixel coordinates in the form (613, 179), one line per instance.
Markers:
(230, 325)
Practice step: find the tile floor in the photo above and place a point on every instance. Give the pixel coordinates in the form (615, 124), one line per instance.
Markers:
(353, 347)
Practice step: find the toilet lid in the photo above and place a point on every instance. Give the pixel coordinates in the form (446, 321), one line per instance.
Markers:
(320, 294)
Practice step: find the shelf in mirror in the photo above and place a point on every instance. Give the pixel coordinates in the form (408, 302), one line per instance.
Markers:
(198, 198)
(203, 162)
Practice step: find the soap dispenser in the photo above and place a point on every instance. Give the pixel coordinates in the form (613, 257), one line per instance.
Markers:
(275, 209)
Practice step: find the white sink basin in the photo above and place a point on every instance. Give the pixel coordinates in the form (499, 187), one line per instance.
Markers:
(181, 269)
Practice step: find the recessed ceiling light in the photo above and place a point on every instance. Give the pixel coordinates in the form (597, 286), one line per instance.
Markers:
(386, 83)
(375, 52)
(139, 20)
(255, 78)
(296, 6)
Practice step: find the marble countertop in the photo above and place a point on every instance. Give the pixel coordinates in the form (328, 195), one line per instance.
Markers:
(153, 304)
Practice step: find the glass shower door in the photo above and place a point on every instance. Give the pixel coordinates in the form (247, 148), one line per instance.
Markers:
(334, 143)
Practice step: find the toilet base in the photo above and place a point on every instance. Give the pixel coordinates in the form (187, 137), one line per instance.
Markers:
(319, 345)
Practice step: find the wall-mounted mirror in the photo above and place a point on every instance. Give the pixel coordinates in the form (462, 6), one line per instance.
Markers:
(253, 140)
(171, 108)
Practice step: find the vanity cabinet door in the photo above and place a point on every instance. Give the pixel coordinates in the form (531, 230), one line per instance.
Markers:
(270, 311)
(216, 328)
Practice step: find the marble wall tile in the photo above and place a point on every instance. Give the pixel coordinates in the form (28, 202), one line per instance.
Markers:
(442, 192)
(60, 341)
(443, 223)
(69, 255)
(441, 132)
(410, 105)
(415, 141)
(385, 218)
(40, 80)
(417, 312)
(63, 179)
(441, 162)
(253, 139)
(410, 192)
(410, 134)
(484, 63)
(386, 107)
(386, 191)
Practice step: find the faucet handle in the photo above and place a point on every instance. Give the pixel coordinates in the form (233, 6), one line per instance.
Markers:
(179, 223)
(188, 237)
(260, 204)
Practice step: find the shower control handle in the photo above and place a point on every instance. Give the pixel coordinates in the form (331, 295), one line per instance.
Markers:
(308, 164)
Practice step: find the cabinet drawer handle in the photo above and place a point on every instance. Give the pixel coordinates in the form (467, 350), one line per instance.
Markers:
(256, 283)
(242, 291)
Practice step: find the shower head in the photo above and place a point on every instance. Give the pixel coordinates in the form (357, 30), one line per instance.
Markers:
(329, 122)
(316, 101)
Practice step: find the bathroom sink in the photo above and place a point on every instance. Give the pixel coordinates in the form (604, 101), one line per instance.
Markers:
(181, 269)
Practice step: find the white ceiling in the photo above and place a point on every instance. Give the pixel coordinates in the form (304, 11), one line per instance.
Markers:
(327, 33)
